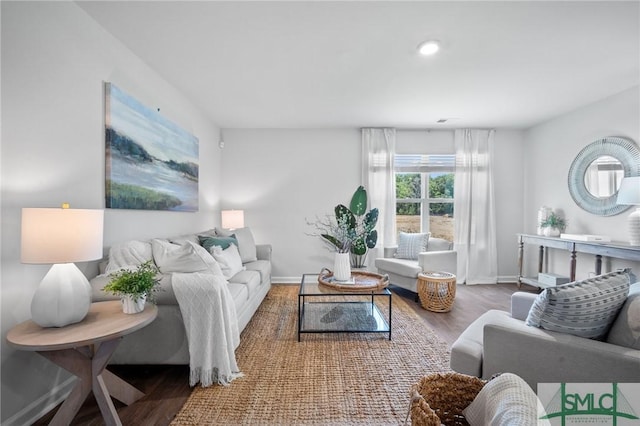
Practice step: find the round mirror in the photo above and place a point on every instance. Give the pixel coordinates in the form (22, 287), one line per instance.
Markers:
(596, 172)
(603, 176)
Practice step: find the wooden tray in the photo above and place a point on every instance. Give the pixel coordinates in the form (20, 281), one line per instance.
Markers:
(363, 281)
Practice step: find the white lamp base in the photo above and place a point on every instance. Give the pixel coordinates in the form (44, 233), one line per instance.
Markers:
(634, 228)
(63, 297)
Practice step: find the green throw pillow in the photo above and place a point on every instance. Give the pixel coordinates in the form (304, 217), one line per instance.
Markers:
(207, 241)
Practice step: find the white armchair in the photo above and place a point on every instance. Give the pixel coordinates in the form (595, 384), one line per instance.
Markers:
(439, 256)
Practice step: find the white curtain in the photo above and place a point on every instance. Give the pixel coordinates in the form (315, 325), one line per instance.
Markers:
(474, 207)
(378, 151)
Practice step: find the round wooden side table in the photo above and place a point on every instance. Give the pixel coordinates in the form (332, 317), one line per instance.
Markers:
(84, 349)
(437, 290)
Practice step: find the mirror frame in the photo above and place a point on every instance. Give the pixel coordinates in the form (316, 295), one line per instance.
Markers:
(625, 151)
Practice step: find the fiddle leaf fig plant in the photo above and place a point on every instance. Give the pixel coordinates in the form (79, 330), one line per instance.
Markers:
(352, 228)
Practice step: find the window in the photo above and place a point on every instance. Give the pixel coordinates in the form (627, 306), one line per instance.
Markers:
(424, 194)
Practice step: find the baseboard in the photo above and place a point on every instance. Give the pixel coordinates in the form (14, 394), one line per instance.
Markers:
(508, 279)
(41, 406)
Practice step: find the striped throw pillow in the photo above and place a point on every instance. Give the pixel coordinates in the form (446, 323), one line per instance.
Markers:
(409, 245)
(584, 308)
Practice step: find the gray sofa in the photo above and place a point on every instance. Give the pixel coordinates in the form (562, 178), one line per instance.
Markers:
(164, 341)
(501, 342)
(439, 256)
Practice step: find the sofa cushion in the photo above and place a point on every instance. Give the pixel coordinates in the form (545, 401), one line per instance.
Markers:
(188, 257)
(625, 330)
(439, 244)
(182, 239)
(506, 400)
(208, 241)
(403, 267)
(466, 351)
(246, 243)
(584, 308)
(239, 294)
(263, 267)
(249, 279)
(409, 245)
(228, 259)
(129, 254)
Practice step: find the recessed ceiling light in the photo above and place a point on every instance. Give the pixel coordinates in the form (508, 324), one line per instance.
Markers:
(429, 47)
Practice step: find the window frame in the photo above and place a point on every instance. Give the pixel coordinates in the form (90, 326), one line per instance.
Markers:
(424, 165)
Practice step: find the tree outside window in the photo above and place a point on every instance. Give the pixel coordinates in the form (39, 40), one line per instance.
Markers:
(424, 198)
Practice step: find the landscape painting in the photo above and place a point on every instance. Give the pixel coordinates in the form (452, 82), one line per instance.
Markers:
(151, 163)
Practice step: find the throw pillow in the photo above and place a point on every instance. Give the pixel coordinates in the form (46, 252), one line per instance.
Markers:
(188, 257)
(506, 400)
(584, 308)
(228, 259)
(208, 241)
(246, 243)
(410, 245)
(625, 330)
(130, 254)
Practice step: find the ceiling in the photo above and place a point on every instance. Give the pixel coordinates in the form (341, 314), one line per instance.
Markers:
(328, 64)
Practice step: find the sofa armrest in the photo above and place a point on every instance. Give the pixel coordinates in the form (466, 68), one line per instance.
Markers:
(390, 251)
(446, 261)
(542, 356)
(521, 304)
(263, 251)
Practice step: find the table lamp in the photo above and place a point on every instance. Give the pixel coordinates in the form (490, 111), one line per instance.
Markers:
(232, 219)
(60, 237)
(629, 194)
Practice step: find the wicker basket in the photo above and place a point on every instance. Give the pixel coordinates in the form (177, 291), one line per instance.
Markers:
(437, 290)
(440, 398)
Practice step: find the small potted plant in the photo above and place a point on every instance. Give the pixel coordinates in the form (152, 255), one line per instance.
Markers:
(553, 225)
(134, 287)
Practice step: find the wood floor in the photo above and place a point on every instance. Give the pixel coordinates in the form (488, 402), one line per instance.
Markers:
(166, 387)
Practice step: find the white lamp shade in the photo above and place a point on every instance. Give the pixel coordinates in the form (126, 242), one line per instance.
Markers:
(629, 191)
(232, 219)
(61, 235)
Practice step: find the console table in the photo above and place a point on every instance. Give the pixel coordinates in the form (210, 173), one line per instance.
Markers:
(84, 349)
(616, 250)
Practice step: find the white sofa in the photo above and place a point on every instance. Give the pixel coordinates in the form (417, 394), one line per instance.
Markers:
(164, 341)
(500, 341)
(439, 256)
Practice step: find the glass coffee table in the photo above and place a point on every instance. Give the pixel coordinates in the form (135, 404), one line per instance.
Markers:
(323, 309)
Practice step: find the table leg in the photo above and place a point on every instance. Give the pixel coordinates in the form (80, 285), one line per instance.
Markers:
(90, 368)
(598, 264)
(74, 362)
(520, 261)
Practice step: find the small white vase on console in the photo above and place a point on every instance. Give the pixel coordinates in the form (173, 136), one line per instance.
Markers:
(342, 267)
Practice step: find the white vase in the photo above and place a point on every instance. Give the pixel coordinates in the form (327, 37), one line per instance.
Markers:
(551, 231)
(342, 267)
(133, 306)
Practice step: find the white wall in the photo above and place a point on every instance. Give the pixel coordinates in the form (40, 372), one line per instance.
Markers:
(549, 151)
(281, 177)
(54, 61)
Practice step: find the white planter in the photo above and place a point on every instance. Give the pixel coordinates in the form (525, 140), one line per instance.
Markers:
(342, 267)
(551, 232)
(133, 306)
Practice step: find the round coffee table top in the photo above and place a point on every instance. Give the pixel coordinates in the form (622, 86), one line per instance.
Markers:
(105, 321)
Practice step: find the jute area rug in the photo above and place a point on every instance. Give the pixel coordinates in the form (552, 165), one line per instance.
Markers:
(328, 379)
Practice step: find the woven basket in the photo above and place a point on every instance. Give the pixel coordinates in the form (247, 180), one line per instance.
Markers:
(440, 398)
(437, 293)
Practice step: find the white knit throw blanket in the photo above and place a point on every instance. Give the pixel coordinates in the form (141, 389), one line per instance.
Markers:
(211, 323)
